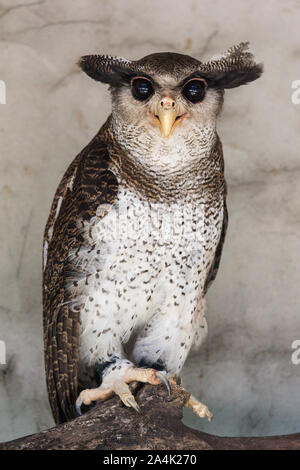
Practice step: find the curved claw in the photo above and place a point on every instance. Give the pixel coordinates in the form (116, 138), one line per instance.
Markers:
(164, 381)
(177, 380)
(131, 402)
(78, 405)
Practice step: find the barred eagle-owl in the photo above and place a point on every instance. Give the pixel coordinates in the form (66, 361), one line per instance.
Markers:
(136, 229)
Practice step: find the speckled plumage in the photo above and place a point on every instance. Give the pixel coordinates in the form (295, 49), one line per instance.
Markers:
(136, 229)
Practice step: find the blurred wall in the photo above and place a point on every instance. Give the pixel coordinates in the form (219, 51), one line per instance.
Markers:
(244, 371)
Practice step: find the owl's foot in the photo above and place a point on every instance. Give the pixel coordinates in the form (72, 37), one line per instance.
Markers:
(115, 382)
(193, 404)
(199, 408)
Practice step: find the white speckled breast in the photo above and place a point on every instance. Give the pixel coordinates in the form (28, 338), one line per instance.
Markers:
(144, 271)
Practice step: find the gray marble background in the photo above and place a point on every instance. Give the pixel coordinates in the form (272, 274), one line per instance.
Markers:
(244, 371)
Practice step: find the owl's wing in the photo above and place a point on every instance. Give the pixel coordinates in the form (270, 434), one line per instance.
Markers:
(215, 265)
(87, 183)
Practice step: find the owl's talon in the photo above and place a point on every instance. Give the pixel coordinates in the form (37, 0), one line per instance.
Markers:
(116, 382)
(164, 381)
(177, 380)
(199, 408)
(78, 405)
(131, 402)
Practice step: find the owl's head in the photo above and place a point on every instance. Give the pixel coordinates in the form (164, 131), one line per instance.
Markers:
(170, 93)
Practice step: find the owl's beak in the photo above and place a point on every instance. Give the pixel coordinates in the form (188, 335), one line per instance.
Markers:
(167, 116)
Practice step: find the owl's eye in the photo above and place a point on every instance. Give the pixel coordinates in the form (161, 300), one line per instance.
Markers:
(141, 88)
(194, 90)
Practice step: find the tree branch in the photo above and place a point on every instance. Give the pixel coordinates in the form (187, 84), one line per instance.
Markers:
(112, 426)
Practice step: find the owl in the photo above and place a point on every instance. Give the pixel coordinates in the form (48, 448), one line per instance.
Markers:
(136, 230)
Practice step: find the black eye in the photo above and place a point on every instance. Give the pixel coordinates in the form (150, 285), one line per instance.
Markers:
(141, 88)
(194, 90)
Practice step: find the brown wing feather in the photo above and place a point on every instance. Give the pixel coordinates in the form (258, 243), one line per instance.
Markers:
(215, 265)
(87, 183)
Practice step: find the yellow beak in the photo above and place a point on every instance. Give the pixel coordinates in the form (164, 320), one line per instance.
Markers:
(167, 118)
(167, 115)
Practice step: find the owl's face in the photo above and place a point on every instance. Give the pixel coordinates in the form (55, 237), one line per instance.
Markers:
(168, 94)
(166, 105)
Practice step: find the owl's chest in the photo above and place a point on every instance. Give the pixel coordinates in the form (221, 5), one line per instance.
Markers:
(137, 241)
(141, 259)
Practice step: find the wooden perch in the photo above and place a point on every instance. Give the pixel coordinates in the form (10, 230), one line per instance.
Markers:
(112, 426)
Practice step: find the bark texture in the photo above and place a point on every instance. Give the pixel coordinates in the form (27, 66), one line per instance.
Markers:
(112, 426)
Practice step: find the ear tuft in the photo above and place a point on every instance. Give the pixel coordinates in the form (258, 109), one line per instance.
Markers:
(234, 68)
(106, 69)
